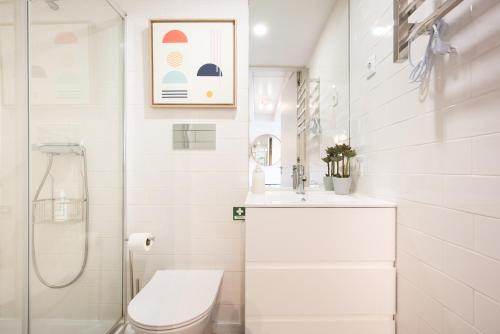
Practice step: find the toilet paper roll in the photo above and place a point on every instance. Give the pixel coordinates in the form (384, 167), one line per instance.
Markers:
(140, 242)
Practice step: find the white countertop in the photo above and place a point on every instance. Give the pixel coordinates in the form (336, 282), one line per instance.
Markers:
(312, 199)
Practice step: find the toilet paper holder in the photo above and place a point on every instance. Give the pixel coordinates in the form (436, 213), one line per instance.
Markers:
(153, 238)
(149, 240)
(135, 290)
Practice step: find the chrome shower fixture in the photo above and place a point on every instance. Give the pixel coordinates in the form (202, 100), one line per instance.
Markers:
(52, 4)
(62, 210)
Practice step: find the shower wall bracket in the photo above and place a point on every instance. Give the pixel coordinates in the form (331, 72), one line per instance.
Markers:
(405, 32)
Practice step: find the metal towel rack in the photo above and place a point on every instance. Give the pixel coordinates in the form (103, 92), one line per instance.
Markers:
(405, 32)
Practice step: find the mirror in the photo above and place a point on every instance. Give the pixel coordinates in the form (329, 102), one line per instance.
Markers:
(299, 83)
(266, 150)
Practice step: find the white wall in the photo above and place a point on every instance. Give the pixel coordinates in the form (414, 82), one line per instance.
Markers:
(437, 156)
(330, 64)
(185, 198)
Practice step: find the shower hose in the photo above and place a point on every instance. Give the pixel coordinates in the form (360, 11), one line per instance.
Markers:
(86, 222)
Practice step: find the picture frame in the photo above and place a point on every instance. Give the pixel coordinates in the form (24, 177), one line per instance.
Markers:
(193, 63)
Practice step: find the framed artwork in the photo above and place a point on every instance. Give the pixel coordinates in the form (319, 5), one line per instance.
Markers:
(193, 63)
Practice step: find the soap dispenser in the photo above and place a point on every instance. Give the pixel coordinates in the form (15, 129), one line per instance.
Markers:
(61, 207)
(258, 181)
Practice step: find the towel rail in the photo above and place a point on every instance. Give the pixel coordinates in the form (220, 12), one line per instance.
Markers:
(410, 8)
(405, 32)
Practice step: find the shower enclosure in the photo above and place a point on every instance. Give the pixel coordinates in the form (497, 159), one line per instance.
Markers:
(61, 166)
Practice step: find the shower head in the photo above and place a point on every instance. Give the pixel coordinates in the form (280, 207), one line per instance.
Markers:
(52, 4)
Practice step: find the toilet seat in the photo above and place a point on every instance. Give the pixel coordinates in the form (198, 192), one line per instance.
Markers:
(173, 299)
(167, 328)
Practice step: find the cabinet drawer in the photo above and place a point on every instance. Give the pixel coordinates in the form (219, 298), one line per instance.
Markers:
(301, 326)
(319, 291)
(320, 234)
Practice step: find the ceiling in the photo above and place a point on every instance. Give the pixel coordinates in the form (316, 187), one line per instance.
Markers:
(294, 27)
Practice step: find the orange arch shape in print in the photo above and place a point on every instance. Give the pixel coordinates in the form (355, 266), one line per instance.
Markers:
(175, 36)
(66, 37)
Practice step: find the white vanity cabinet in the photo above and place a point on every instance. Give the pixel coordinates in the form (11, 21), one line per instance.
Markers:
(320, 266)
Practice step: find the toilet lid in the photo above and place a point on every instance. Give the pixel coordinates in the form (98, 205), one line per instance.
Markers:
(174, 298)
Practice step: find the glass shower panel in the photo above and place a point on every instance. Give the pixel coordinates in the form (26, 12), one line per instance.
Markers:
(13, 167)
(76, 187)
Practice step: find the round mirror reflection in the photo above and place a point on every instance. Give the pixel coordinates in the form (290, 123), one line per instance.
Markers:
(266, 150)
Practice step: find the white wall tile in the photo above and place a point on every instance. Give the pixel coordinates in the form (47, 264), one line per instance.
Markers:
(476, 194)
(478, 271)
(453, 324)
(426, 328)
(450, 225)
(487, 314)
(423, 247)
(484, 14)
(433, 152)
(420, 307)
(475, 117)
(483, 161)
(488, 236)
(485, 72)
(407, 317)
(453, 294)
(227, 313)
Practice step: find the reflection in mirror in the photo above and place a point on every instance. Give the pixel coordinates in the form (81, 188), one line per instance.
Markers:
(266, 150)
(299, 82)
(273, 113)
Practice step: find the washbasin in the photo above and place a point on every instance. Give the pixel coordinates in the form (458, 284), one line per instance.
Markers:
(312, 198)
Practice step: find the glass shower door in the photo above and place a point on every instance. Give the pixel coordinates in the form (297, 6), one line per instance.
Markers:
(13, 167)
(76, 166)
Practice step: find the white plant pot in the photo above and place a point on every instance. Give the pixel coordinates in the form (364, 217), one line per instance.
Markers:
(328, 183)
(342, 185)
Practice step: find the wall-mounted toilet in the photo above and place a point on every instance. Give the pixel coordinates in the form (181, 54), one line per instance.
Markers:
(176, 301)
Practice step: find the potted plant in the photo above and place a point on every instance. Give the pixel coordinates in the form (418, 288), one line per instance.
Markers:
(342, 177)
(331, 153)
(327, 179)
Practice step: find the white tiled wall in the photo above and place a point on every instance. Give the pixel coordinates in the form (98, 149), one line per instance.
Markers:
(185, 198)
(435, 152)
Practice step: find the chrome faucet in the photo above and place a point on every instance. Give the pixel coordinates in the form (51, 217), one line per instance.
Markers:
(299, 178)
(295, 177)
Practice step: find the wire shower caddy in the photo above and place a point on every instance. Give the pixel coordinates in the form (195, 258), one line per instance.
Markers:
(61, 210)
